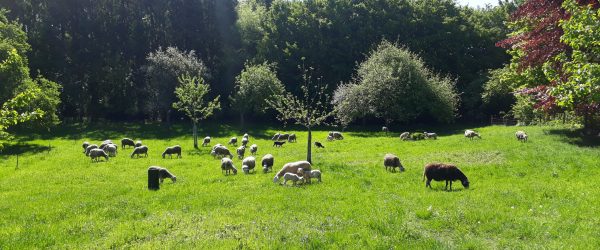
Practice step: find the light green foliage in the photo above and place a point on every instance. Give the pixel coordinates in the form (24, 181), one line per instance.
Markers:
(254, 85)
(395, 85)
(523, 110)
(537, 195)
(498, 92)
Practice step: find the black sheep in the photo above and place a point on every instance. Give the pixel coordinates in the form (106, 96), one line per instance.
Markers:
(319, 145)
(278, 144)
(127, 142)
(444, 172)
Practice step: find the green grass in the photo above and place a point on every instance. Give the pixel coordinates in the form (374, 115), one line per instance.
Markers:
(540, 194)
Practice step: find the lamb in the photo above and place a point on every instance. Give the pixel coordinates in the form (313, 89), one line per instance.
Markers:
(336, 135)
(330, 138)
(275, 137)
(253, 149)
(385, 129)
(111, 150)
(241, 151)
(521, 136)
(220, 150)
(283, 137)
(393, 162)
(89, 148)
(244, 141)
(292, 138)
(141, 150)
(471, 134)
(227, 166)
(444, 172)
(172, 150)
(319, 145)
(430, 135)
(267, 162)
(315, 174)
(206, 141)
(405, 136)
(293, 168)
(85, 145)
(248, 164)
(233, 141)
(97, 153)
(138, 144)
(163, 173)
(127, 142)
(278, 143)
(292, 177)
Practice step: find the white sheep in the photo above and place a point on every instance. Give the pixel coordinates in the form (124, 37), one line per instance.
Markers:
(241, 151)
(292, 177)
(227, 166)
(330, 138)
(172, 150)
(267, 162)
(292, 138)
(233, 141)
(315, 174)
(253, 149)
(336, 135)
(471, 134)
(163, 173)
(521, 136)
(385, 129)
(405, 136)
(89, 148)
(293, 167)
(248, 164)
(111, 150)
(245, 141)
(138, 144)
(246, 136)
(430, 135)
(85, 145)
(206, 141)
(141, 150)
(96, 153)
(220, 150)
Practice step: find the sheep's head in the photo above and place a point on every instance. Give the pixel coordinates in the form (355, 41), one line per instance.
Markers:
(401, 167)
(234, 171)
(276, 179)
(465, 183)
(265, 169)
(174, 179)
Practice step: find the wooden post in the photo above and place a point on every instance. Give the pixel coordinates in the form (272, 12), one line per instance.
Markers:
(153, 179)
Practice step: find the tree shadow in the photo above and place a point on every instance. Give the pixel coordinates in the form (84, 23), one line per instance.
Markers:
(575, 137)
(23, 148)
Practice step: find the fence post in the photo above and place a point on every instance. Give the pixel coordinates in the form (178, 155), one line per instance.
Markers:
(153, 179)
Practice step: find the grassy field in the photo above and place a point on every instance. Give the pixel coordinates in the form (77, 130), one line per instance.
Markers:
(540, 194)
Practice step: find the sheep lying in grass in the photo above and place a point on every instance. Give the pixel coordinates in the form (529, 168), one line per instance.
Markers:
(138, 144)
(248, 164)
(278, 143)
(141, 150)
(244, 141)
(96, 153)
(521, 136)
(405, 136)
(111, 150)
(220, 151)
(329, 138)
(227, 166)
(241, 151)
(336, 135)
(89, 148)
(292, 177)
(127, 142)
(319, 145)
(444, 172)
(315, 174)
(430, 135)
(233, 141)
(391, 161)
(292, 138)
(471, 134)
(172, 150)
(85, 145)
(292, 167)
(267, 163)
(206, 141)
(275, 137)
(253, 149)
(163, 173)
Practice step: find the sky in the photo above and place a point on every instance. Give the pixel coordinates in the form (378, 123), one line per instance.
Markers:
(475, 3)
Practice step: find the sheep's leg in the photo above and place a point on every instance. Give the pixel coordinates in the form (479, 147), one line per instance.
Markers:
(450, 185)
(446, 185)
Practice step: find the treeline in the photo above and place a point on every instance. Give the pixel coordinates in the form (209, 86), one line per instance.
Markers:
(98, 50)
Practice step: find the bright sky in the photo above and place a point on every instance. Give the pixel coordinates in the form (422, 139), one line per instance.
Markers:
(475, 3)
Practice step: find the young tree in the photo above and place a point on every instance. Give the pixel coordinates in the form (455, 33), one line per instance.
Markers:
(191, 94)
(309, 109)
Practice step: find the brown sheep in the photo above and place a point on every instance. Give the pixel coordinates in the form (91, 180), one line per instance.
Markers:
(393, 162)
(444, 172)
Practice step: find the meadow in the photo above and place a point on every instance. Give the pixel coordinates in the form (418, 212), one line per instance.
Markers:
(539, 194)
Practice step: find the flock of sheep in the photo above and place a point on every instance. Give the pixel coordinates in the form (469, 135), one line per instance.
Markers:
(296, 172)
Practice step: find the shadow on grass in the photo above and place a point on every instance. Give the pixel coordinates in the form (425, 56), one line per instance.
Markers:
(576, 137)
(22, 148)
(441, 130)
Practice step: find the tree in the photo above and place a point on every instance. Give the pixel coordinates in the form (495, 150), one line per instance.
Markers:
(191, 100)
(309, 109)
(254, 86)
(393, 84)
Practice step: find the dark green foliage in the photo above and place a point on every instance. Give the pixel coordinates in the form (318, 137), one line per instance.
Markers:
(417, 136)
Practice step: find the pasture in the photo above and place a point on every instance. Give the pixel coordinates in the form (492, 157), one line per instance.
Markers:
(539, 194)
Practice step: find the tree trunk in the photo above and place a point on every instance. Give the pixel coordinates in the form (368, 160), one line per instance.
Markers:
(241, 120)
(309, 147)
(195, 132)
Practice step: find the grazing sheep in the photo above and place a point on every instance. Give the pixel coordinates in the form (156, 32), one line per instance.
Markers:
(163, 173)
(292, 138)
(85, 145)
(244, 141)
(89, 148)
(275, 137)
(137, 151)
(138, 144)
(278, 143)
(246, 136)
(105, 143)
(315, 174)
(227, 166)
(127, 142)
(111, 150)
(430, 135)
(283, 137)
(220, 150)
(241, 151)
(172, 150)
(471, 134)
(391, 161)
(292, 167)
(330, 138)
(267, 162)
(96, 153)
(206, 141)
(444, 172)
(292, 177)
(521, 136)
(405, 136)
(253, 149)
(319, 145)
(336, 135)
(248, 164)
(233, 141)
(385, 129)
